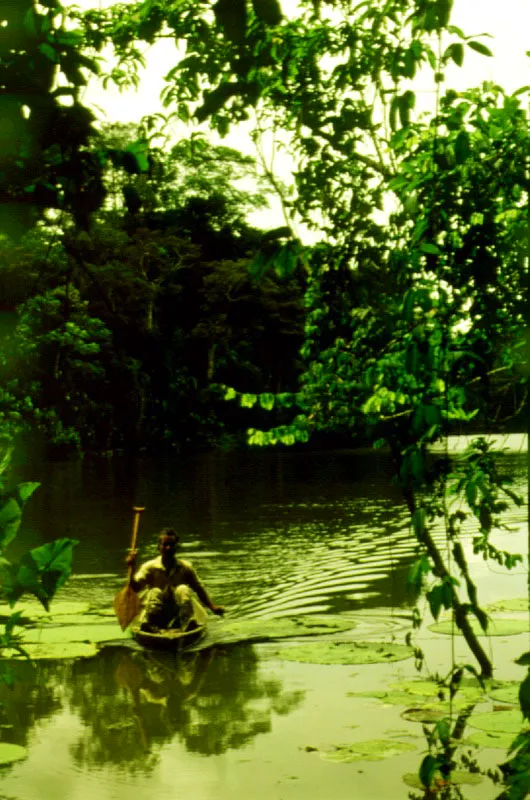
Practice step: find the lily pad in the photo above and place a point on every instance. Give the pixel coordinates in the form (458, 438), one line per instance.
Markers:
(11, 752)
(55, 650)
(372, 750)
(34, 610)
(496, 627)
(458, 778)
(393, 698)
(411, 691)
(509, 693)
(499, 739)
(513, 604)
(466, 694)
(62, 634)
(347, 652)
(281, 628)
(426, 713)
(509, 721)
(75, 619)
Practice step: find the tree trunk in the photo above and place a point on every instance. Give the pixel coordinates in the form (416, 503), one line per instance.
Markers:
(459, 610)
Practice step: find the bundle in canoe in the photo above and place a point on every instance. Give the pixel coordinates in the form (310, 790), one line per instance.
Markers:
(169, 639)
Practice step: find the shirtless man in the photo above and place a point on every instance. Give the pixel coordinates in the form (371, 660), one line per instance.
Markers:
(170, 585)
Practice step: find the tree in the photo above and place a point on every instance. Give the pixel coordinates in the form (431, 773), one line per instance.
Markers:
(407, 364)
(173, 305)
(44, 159)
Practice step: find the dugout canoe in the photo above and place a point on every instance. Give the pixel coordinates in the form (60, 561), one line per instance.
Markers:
(170, 639)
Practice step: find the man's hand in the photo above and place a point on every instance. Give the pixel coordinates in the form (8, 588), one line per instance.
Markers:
(131, 557)
(218, 610)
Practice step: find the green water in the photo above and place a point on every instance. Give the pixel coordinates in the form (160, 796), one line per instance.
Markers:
(271, 535)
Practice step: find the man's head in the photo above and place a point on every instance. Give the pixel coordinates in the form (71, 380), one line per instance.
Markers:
(168, 540)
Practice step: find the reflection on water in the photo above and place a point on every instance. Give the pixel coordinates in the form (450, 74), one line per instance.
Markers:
(130, 703)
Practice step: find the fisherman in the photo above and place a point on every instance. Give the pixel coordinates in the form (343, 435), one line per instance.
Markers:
(171, 586)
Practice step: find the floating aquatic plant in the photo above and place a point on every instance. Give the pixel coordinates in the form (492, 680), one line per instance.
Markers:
(505, 721)
(372, 750)
(11, 752)
(458, 778)
(346, 652)
(64, 634)
(513, 604)
(496, 627)
(32, 610)
(52, 650)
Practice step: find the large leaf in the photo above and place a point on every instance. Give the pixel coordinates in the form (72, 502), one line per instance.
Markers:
(11, 511)
(136, 157)
(41, 572)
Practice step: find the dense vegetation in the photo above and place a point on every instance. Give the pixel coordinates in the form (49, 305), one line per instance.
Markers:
(121, 334)
(141, 290)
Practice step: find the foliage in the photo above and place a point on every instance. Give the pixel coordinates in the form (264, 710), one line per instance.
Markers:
(516, 770)
(126, 328)
(40, 572)
(44, 159)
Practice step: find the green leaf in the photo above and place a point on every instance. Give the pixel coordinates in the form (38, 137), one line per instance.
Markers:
(230, 393)
(435, 598)
(429, 767)
(456, 52)
(139, 150)
(48, 51)
(425, 247)
(524, 697)
(417, 465)
(444, 8)
(471, 493)
(29, 23)
(447, 593)
(432, 414)
(524, 660)
(266, 401)
(417, 571)
(462, 147)
(480, 48)
(285, 399)
(42, 571)
(444, 731)
(248, 400)
(69, 38)
(11, 511)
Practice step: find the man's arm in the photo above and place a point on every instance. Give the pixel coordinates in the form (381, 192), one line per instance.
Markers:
(137, 581)
(202, 594)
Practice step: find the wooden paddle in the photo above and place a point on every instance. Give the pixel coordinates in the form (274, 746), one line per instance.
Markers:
(127, 603)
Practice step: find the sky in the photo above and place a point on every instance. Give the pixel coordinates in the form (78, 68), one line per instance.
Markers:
(507, 22)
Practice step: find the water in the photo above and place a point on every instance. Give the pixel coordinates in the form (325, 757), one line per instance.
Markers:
(271, 534)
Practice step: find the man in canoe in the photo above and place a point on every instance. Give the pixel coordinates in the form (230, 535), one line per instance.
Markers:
(170, 587)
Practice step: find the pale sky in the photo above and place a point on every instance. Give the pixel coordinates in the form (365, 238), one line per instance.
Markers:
(508, 22)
